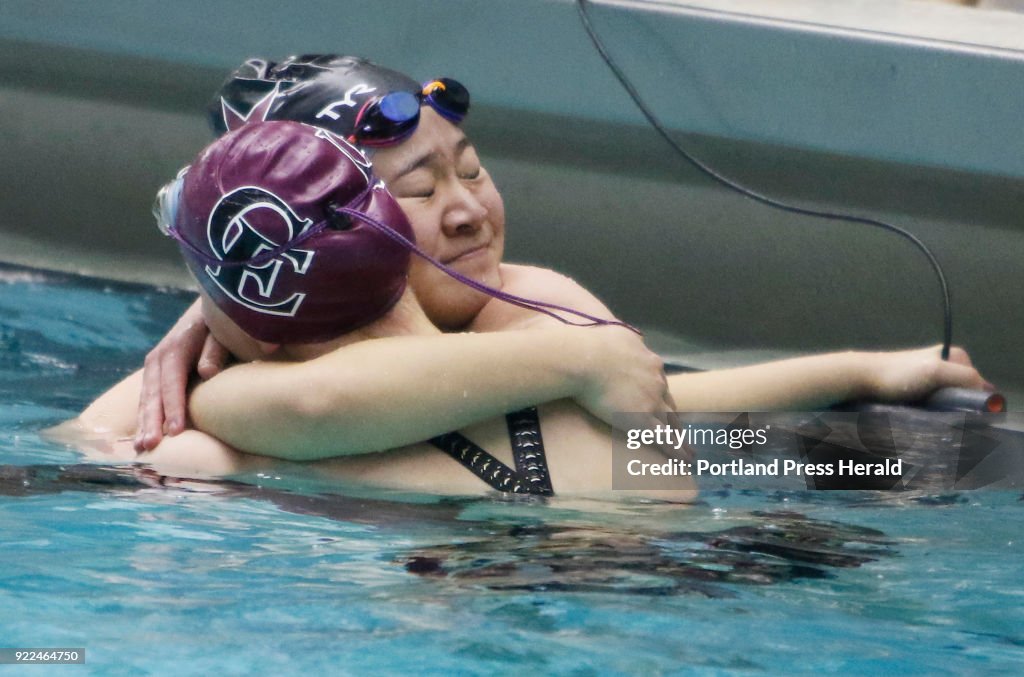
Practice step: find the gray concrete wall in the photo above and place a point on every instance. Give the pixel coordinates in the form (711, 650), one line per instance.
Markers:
(98, 107)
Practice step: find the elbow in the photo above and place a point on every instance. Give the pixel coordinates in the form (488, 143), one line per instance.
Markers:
(327, 399)
(313, 407)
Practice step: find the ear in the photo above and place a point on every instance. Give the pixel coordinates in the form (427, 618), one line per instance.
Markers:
(267, 349)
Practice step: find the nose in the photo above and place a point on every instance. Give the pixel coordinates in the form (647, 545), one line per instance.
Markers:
(464, 213)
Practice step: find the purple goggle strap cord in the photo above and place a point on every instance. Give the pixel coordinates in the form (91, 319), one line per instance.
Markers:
(270, 254)
(522, 302)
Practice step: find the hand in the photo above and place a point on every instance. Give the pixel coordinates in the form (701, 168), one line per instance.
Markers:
(622, 375)
(162, 401)
(911, 375)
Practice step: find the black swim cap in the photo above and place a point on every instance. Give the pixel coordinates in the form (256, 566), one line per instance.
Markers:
(324, 90)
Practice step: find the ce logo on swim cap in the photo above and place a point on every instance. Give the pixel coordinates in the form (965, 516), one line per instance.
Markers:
(240, 228)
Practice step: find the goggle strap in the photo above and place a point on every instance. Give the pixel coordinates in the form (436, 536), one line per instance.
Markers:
(520, 301)
(359, 119)
(453, 118)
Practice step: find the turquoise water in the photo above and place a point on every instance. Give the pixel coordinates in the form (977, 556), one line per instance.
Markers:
(202, 578)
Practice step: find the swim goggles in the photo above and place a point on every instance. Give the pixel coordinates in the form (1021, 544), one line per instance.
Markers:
(387, 120)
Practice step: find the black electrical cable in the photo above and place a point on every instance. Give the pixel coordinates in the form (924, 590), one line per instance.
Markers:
(581, 6)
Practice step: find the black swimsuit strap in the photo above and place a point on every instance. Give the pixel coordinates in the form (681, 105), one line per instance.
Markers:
(528, 449)
(531, 476)
(482, 464)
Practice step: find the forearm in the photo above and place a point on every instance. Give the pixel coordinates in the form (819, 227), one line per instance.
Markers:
(384, 393)
(196, 455)
(798, 383)
(821, 380)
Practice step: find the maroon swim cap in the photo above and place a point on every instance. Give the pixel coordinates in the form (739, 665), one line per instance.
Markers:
(258, 225)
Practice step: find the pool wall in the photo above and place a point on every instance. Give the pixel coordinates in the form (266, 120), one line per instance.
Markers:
(905, 111)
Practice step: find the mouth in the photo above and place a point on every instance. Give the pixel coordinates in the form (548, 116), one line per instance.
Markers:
(471, 253)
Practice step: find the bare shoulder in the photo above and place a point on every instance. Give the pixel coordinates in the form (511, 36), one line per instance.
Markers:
(114, 411)
(103, 432)
(540, 284)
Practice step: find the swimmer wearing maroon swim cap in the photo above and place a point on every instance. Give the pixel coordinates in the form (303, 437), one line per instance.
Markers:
(258, 227)
(289, 234)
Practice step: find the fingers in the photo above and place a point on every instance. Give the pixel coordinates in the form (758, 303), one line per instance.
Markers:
(670, 404)
(950, 374)
(173, 384)
(162, 400)
(149, 429)
(958, 355)
(660, 421)
(212, 358)
(958, 371)
(666, 415)
(687, 452)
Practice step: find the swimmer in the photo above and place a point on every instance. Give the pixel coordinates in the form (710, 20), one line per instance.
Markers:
(301, 253)
(457, 215)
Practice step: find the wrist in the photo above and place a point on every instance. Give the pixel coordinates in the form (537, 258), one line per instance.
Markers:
(567, 352)
(863, 374)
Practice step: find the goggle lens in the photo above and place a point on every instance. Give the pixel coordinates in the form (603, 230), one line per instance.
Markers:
(448, 97)
(400, 107)
(388, 119)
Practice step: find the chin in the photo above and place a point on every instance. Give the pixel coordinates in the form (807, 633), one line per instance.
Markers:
(451, 304)
(483, 269)
(456, 306)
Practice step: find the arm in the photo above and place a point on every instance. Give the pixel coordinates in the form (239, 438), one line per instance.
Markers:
(821, 380)
(187, 346)
(388, 392)
(103, 433)
(196, 455)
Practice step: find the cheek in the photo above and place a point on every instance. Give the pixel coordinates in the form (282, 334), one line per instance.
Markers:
(491, 199)
(426, 226)
(448, 303)
(496, 215)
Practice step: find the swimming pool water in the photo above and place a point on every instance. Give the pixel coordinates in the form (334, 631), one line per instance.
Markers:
(201, 578)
